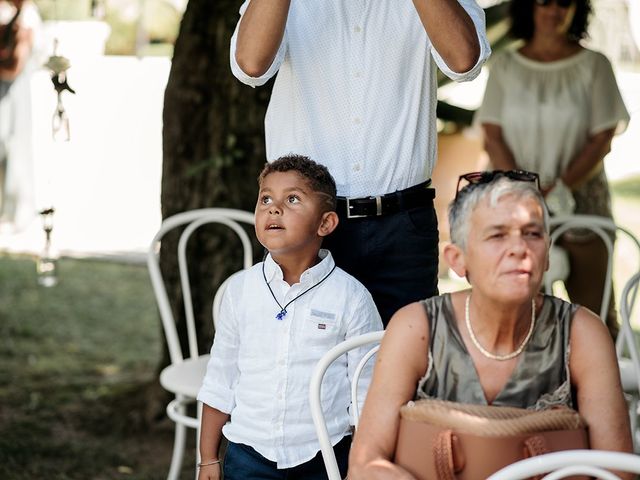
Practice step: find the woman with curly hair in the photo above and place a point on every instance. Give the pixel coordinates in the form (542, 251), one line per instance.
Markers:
(553, 106)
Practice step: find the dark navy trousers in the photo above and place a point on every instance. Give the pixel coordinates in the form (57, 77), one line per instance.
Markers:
(395, 256)
(241, 462)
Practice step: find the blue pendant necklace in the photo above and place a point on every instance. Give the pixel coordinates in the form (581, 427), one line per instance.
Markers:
(283, 310)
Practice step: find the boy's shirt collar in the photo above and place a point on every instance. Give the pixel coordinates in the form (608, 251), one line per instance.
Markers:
(311, 275)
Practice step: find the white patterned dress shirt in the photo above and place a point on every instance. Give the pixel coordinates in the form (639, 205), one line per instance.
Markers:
(260, 367)
(356, 91)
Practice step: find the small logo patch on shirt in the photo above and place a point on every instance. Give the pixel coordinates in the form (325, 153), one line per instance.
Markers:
(321, 314)
(322, 326)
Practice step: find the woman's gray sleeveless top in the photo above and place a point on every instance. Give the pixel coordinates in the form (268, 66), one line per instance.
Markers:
(540, 379)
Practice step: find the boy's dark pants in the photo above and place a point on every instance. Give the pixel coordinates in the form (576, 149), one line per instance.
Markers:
(242, 462)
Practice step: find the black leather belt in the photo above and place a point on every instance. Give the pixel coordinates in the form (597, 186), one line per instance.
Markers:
(417, 196)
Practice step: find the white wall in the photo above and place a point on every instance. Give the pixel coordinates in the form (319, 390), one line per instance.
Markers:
(105, 182)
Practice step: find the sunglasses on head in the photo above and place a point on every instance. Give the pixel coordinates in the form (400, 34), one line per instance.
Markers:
(560, 3)
(476, 178)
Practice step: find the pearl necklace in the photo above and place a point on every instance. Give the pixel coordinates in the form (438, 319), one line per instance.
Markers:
(493, 356)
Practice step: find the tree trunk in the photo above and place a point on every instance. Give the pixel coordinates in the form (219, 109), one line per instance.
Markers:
(213, 150)
(213, 147)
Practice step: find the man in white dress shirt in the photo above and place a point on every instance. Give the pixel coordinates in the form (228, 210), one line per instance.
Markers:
(356, 90)
(277, 319)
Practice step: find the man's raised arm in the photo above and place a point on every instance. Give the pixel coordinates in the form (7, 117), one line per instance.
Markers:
(260, 34)
(452, 32)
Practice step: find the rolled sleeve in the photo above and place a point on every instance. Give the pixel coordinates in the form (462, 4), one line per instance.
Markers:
(219, 382)
(477, 16)
(237, 70)
(607, 109)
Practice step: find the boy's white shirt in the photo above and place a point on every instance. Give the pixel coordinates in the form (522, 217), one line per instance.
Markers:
(260, 367)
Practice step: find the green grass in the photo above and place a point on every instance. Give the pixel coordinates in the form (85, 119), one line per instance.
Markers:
(78, 374)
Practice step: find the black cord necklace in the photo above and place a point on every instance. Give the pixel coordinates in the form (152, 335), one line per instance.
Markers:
(283, 310)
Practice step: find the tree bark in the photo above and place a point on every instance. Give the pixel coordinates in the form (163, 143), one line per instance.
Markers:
(213, 150)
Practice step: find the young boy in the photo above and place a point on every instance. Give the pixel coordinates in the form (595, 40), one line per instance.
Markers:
(277, 319)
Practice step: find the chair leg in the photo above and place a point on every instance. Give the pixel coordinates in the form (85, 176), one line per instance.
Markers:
(633, 420)
(178, 452)
(634, 412)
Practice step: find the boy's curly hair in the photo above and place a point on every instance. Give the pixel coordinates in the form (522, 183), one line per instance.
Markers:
(317, 175)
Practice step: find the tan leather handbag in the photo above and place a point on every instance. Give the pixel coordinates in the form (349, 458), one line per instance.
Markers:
(448, 440)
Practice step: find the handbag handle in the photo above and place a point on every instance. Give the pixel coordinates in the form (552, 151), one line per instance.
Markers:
(449, 459)
(446, 461)
(535, 445)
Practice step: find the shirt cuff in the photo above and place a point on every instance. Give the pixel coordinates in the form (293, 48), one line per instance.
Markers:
(248, 79)
(217, 397)
(473, 72)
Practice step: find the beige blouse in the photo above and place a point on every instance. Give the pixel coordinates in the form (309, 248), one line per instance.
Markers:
(540, 380)
(547, 110)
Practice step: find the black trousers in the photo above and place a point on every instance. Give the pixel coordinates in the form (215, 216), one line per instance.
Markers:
(395, 256)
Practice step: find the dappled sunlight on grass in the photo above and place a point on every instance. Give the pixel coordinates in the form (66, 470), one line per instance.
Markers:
(76, 360)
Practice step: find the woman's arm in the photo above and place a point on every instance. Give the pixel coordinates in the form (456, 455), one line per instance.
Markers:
(260, 34)
(592, 153)
(499, 153)
(596, 378)
(400, 363)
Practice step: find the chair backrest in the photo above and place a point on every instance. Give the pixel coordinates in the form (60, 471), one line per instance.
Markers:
(571, 462)
(315, 394)
(604, 228)
(627, 302)
(193, 220)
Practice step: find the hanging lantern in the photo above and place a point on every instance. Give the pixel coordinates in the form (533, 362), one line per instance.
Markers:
(47, 261)
(58, 65)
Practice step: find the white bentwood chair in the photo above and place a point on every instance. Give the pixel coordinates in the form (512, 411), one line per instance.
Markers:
(593, 463)
(183, 377)
(630, 367)
(604, 228)
(626, 348)
(315, 393)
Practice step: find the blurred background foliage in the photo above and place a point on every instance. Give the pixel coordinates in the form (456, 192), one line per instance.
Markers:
(138, 27)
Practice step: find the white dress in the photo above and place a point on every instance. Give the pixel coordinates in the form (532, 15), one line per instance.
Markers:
(547, 111)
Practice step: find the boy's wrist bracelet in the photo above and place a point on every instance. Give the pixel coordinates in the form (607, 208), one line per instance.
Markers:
(206, 464)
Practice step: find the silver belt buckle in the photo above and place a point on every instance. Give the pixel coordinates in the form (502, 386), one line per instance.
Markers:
(378, 208)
